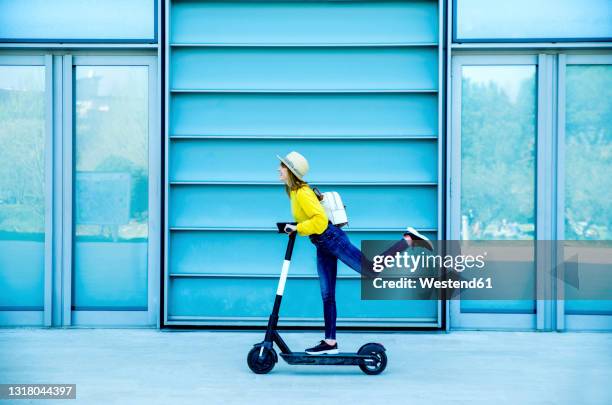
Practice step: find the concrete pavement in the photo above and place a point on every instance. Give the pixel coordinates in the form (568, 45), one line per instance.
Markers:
(145, 366)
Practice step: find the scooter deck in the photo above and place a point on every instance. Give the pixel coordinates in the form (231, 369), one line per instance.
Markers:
(340, 359)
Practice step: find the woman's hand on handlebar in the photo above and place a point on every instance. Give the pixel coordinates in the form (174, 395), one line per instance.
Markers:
(290, 228)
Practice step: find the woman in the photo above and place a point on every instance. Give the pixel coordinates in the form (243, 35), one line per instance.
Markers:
(331, 242)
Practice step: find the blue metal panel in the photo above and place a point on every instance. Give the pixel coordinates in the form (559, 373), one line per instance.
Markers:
(256, 206)
(215, 252)
(303, 114)
(329, 68)
(351, 85)
(305, 22)
(370, 161)
(78, 21)
(237, 297)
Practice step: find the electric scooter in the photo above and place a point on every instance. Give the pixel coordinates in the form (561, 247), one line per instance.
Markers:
(262, 358)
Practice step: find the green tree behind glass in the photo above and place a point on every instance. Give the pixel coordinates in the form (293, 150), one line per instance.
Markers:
(588, 152)
(498, 160)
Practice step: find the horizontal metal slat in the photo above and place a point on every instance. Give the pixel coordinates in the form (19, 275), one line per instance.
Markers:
(292, 22)
(213, 297)
(259, 206)
(300, 91)
(246, 275)
(270, 229)
(416, 322)
(321, 137)
(306, 45)
(283, 114)
(314, 183)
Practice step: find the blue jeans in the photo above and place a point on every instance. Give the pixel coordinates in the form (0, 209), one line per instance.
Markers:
(334, 244)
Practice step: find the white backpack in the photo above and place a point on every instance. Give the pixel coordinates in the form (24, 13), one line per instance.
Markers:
(334, 208)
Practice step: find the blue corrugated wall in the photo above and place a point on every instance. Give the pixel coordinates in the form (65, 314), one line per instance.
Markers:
(351, 85)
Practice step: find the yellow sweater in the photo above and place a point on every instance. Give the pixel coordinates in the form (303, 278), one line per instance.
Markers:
(308, 211)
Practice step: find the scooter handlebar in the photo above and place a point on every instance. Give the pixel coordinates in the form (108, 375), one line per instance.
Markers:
(281, 226)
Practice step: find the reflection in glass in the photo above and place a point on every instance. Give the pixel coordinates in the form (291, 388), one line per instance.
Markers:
(498, 133)
(22, 181)
(588, 152)
(542, 19)
(588, 179)
(111, 187)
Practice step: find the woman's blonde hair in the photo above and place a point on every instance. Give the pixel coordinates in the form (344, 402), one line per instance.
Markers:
(293, 183)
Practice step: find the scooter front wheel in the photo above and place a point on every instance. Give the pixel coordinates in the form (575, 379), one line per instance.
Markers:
(376, 366)
(261, 364)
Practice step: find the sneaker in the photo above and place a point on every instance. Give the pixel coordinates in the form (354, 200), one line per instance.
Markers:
(418, 239)
(323, 348)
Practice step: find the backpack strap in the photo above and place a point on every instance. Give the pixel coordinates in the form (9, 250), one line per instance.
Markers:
(318, 193)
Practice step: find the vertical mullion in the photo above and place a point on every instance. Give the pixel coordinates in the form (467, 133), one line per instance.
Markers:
(58, 186)
(448, 94)
(454, 175)
(544, 191)
(560, 222)
(552, 305)
(166, 134)
(67, 190)
(159, 131)
(48, 189)
(153, 197)
(440, 139)
(454, 153)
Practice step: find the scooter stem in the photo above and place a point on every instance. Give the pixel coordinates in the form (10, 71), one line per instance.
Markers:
(273, 320)
(286, 263)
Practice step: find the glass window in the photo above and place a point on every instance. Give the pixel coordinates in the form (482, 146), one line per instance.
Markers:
(111, 187)
(533, 20)
(498, 152)
(588, 152)
(70, 20)
(498, 134)
(22, 184)
(588, 183)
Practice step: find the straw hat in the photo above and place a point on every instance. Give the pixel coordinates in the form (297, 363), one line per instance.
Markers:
(296, 163)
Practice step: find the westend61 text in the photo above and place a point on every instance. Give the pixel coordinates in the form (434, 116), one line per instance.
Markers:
(431, 282)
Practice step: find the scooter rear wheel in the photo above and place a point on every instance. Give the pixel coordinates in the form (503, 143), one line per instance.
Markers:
(380, 362)
(263, 364)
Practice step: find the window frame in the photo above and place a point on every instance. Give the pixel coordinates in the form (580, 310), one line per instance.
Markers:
(527, 40)
(579, 322)
(109, 317)
(105, 41)
(543, 183)
(27, 317)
